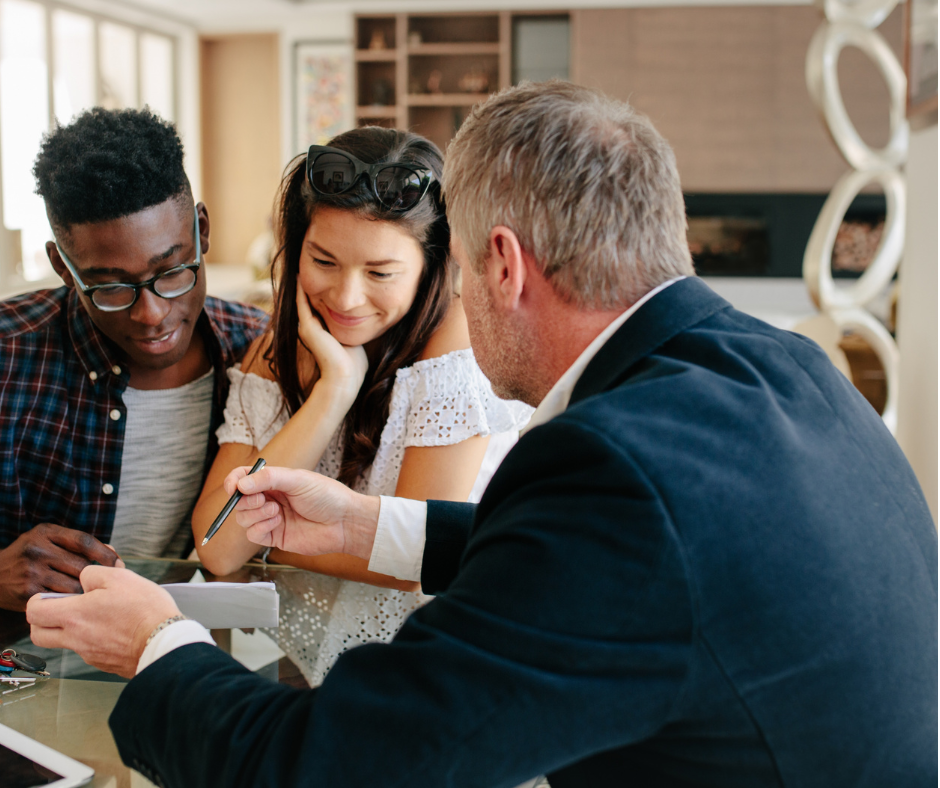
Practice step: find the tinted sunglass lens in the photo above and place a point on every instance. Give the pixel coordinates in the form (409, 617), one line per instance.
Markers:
(399, 188)
(332, 173)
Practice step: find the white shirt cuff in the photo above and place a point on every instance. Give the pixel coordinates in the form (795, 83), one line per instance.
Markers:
(179, 633)
(398, 549)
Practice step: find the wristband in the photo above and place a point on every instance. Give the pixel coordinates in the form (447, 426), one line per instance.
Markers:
(163, 625)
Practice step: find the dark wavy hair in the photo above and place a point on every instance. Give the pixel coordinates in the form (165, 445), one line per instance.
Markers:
(107, 164)
(402, 344)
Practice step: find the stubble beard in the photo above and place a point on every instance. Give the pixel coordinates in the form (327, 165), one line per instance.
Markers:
(504, 350)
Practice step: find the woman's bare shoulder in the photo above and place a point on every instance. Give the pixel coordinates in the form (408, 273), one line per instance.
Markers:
(452, 334)
(254, 361)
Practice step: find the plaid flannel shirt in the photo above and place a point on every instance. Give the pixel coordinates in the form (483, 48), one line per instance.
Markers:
(62, 415)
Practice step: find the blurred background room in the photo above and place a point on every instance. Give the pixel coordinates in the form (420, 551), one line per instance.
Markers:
(806, 135)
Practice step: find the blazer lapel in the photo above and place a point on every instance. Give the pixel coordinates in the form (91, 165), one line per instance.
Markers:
(668, 313)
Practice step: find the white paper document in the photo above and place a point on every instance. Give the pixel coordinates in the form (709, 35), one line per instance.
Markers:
(222, 605)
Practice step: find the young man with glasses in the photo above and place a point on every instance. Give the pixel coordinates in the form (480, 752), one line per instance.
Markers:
(114, 384)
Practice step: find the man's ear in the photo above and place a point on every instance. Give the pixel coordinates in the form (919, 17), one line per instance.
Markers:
(58, 265)
(203, 226)
(506, 268)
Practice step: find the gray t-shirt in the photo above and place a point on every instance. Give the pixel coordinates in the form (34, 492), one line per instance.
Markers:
(165, 441)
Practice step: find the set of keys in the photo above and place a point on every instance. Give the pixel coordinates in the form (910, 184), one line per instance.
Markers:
(11, 660)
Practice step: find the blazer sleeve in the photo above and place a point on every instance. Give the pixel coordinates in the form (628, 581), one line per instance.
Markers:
(570, 598)
(446, 532)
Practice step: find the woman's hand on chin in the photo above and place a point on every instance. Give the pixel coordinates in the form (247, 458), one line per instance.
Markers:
(341, 368)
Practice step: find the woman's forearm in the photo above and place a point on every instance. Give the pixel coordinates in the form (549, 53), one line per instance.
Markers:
(300, 443)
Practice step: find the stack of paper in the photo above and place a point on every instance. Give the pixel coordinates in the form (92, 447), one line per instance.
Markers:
(222, 605)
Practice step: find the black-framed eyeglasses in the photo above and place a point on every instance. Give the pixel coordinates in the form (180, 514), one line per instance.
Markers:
(396, 185)
(114, 297)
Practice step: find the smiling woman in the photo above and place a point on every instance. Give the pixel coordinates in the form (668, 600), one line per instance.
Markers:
(358, 294)
(367, 376)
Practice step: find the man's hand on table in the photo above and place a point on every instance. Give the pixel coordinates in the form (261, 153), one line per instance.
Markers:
(48, 558)
(304, 512)
(109, 624)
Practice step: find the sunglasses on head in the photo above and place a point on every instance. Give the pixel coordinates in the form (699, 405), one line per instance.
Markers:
(396, 185)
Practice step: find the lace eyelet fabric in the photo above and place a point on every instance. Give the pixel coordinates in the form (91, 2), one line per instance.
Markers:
(435, 402)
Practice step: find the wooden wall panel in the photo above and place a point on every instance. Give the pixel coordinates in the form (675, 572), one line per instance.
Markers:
(240, 139)
(726, 87)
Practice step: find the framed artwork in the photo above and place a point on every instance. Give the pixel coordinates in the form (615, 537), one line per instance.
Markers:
(920, 61)
(323, 91)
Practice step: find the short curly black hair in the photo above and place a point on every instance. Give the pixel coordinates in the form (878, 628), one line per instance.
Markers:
(107, 164)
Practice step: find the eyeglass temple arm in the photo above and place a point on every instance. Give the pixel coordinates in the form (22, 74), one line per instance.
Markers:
(196, 237)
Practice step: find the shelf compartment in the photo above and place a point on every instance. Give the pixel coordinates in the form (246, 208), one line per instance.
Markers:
(438, 124)
(376, 55)
(454, 49)
(451, 71)
(371, 29)
(456, 28)
(445, 99)
(375, 84)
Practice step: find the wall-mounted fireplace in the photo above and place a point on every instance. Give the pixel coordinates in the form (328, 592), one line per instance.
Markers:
(765, 235)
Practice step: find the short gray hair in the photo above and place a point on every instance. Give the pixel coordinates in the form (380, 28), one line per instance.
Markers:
(587, 184)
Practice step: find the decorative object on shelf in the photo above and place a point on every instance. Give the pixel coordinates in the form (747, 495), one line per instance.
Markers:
(852, 24)
(377, 41)
(476, 80)
(381, 93)
(434, 81)
(323, 100)
(414, 39)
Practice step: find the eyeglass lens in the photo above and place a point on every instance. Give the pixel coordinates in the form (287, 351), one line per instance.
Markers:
(172, 284)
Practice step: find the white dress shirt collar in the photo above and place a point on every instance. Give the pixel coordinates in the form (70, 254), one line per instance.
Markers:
(559, 395)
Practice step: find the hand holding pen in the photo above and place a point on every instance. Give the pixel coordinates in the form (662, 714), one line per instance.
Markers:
(227, 509)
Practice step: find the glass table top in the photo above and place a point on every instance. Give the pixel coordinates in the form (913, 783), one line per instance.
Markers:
(69, 710)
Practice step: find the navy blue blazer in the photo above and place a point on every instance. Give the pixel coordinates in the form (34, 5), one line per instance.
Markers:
(715, 568)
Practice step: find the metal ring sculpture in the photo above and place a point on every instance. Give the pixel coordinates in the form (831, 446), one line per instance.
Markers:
(852, 24)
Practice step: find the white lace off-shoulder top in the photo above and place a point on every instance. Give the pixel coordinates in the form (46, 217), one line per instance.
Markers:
(435, 402)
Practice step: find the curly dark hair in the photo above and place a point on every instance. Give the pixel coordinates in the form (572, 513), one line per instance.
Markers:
(402, 344)
(107, 164)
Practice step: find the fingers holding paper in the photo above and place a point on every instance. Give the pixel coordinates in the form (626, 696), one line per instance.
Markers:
(109, 624)
(303, 512)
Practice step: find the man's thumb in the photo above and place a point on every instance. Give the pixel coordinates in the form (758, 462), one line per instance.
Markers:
(93, 577)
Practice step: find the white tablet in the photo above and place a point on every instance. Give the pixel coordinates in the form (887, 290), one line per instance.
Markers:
(25, 763)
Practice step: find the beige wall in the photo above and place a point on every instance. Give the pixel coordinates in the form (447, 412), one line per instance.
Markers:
(917, 316)
(726, 87)
(241, 138)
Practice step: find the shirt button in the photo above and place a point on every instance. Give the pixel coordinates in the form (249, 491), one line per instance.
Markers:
(107, 489)
(115, 414)
(93, 375)
(116, 369)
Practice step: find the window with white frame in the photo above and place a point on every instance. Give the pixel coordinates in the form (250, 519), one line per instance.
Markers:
(55, 62)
